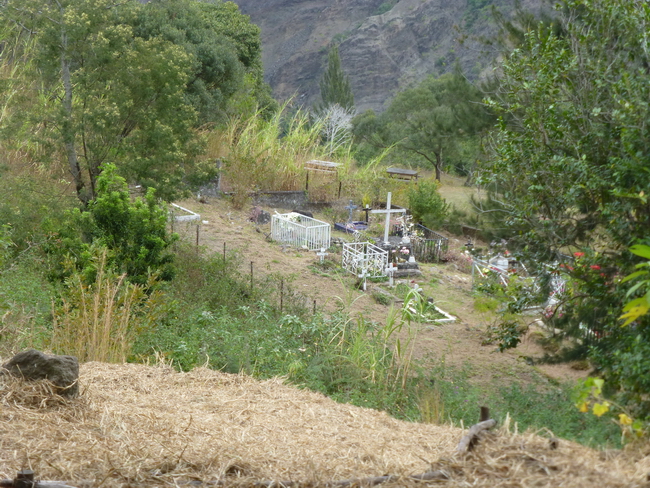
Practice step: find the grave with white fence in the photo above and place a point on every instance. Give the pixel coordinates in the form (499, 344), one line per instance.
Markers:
(365, 260)
(300, 230)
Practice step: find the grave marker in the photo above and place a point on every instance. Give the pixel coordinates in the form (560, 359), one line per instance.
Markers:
(321, 254)
(350, 207)
(390, 271)
(388, 213)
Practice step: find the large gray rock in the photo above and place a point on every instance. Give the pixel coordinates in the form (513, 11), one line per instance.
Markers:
(61, 371)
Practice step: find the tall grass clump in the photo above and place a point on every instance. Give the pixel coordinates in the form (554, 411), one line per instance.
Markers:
(25, 297)
(102, 320)
(261, 153)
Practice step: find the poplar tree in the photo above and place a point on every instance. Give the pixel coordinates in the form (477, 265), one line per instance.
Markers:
(335, 85)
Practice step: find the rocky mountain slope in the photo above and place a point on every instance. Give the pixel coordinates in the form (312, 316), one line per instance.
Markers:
(385, 45)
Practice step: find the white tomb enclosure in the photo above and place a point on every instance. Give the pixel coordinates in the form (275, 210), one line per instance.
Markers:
(364, 259)
(181, 214)
(299, 230)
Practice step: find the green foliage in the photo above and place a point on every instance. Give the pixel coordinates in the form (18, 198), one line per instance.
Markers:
(638, 307)
(571, 169)
(385, 7)
(267, 153)
(588, 395)
(105, 94)
(537, 405)
(224, 46)
(25, 304)
(335, 85)
(427, 205)
(429, 124)
(135, 233)
(100, 321)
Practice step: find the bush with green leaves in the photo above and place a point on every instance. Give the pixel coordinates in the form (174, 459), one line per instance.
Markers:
(427, 205)
(134, 232)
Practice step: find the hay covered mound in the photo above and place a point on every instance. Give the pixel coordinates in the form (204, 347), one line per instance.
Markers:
(136, 425)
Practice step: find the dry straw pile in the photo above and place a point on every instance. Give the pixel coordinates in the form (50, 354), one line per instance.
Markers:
(136, 425)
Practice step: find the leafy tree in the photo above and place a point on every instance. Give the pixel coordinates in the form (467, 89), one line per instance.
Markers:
(107, 95)
(225, 49)
(427, 205)
(335, 85)
(430, 121)
(571, 167)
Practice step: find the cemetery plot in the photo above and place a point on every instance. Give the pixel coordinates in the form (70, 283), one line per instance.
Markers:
(427, 245)
(498, 271)
(299, 230)
(364, 259)
(181, 214)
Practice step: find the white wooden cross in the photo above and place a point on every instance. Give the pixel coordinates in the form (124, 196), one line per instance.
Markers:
(390, 271)
(388, 212)
(364, 274)
(321, 254)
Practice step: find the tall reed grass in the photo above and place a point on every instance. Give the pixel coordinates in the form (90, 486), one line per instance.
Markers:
(268, 154)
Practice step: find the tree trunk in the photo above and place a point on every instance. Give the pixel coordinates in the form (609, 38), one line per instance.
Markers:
(68, 131)
(438, 165)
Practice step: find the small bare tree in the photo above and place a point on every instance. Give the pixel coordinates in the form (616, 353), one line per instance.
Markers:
(336, 126)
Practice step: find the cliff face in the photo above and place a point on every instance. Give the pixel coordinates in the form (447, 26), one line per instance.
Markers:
(380, 52)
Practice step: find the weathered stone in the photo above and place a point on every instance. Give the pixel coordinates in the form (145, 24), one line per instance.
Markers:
(407, 273)
(32, 365)
(260, 216)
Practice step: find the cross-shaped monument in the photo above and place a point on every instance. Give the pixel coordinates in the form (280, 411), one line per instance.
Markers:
(367, 210)
(390, 271)
(388, 213)
(321, 254)
(350, 207)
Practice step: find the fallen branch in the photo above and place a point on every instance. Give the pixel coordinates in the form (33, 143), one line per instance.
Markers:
(467, 442)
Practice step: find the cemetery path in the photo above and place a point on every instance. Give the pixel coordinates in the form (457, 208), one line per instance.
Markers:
(459, 344)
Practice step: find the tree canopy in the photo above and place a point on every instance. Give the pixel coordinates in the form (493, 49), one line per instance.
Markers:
(571, 163)
(224, 45)
(127, 83)
(430, 121)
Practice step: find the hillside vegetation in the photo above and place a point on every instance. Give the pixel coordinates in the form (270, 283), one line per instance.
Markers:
(109, 112)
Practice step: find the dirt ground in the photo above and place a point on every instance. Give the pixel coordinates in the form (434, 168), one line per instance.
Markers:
(459, 344)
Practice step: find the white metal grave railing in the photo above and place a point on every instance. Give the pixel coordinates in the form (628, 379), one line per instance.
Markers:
(480, 269)
(188, 214)
(364, 259)
(299, 230)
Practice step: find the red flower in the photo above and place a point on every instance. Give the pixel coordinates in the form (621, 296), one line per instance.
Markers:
(578, 254)
(594, 266)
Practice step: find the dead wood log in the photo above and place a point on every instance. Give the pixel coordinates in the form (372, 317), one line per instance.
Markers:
(468, 441)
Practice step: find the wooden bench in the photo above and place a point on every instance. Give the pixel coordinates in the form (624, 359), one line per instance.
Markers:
(402, 174)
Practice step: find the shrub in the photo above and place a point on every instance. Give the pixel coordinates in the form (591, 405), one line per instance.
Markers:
(426, 204)
(134, 232)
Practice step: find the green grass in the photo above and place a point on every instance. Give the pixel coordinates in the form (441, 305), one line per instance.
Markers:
(534, 406)
(25, 306)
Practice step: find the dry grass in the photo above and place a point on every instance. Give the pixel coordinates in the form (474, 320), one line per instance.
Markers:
(136, 425)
